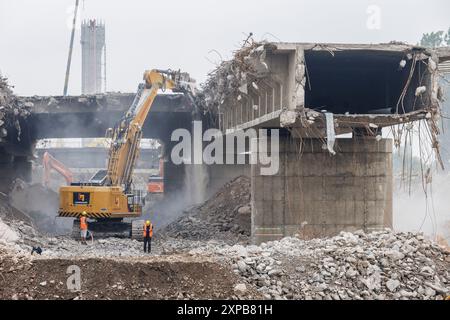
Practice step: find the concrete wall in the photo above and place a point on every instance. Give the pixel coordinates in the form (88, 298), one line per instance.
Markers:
(316, 194)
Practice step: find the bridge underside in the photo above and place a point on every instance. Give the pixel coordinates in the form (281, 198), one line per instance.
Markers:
(82, 117)
(91, 116)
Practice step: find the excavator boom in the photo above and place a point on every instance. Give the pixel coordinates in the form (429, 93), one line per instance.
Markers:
(127, 134)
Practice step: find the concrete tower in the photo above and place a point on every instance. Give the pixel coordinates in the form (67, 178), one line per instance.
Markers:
(93, 49)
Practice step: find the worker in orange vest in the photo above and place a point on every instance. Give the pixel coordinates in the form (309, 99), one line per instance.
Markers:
(83, 227)
(148, 234)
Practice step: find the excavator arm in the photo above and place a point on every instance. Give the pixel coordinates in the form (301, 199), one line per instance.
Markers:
(49, 163)
(127, 134)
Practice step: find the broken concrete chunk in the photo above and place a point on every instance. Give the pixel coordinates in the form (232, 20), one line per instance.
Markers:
(242, 266)
(243, 88)
(392, 284)
(432, 66)
(287, 118)
(52, 101)
(245, 210)
(240, 288)
(420, 90)
(3, 132)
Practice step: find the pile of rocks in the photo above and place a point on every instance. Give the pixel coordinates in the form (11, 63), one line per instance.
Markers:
(379, 265)
(15, 226)
(225, 216)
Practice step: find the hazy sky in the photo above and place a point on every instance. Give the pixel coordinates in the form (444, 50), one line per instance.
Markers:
(143, 34)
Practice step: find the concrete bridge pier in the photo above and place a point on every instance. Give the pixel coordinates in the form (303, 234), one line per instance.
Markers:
(316, 194)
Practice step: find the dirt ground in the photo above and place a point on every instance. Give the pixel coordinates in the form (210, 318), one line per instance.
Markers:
(171, 277)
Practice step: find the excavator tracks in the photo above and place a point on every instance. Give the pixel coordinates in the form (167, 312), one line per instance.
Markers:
(76, 230)
(105, 228)
(136, 230)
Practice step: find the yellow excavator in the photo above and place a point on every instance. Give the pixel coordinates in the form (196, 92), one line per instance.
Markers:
(108, 197)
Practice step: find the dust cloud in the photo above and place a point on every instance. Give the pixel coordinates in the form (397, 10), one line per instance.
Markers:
(176, 203)
(428, 212)
(41, 205)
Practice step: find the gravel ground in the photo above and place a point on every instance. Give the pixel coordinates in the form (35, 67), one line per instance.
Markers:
(379, 265)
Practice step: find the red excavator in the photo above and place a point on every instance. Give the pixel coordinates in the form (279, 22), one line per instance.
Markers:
(49, 163)
(155, 186)
(156, 182)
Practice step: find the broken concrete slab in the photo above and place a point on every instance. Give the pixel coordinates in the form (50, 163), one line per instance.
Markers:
(355, 80)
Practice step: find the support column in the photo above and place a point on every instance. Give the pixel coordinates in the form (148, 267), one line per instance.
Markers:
(316, 194)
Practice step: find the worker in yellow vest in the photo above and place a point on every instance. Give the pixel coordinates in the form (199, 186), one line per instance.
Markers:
(83, 227)
(148, 234)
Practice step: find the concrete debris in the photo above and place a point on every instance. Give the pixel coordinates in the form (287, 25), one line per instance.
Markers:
(392, 284)
(7, 234)
(234, 77)
(225, 216)
(240, 288)
(331, 137)
(12, 111)
(379, 265)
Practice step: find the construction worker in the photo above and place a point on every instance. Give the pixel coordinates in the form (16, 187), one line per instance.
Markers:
(83, 227)
(148, 234)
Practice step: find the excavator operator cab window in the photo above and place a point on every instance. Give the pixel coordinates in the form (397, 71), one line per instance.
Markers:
(130, 203)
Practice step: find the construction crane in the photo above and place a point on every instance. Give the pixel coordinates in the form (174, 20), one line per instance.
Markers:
(49, 162)
(108, 197)
(69, 59)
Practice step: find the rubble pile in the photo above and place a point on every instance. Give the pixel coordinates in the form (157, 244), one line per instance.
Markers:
(15, 226)
(225, 216)
(232, 78)
(379, 265)
(11, 111)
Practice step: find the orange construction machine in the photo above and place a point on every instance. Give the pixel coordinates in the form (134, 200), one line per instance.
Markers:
(49, 163)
